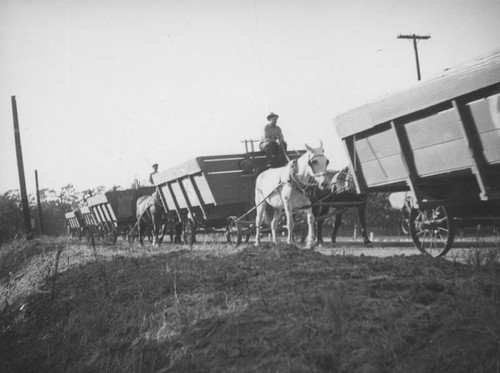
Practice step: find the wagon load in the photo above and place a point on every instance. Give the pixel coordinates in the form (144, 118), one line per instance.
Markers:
(440, 141)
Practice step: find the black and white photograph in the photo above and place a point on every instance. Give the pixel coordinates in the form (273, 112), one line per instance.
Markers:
(249, 186)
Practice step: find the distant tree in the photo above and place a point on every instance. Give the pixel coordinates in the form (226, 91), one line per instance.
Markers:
(11, 215)
(54, 205)
(379, 215)
(69, 197)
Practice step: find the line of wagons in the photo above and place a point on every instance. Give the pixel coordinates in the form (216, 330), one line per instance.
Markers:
(437, 141)
(201, 196)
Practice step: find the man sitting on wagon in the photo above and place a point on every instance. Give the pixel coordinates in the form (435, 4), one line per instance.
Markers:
(273, 143)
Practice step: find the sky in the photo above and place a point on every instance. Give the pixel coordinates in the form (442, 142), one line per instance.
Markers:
(106, 88)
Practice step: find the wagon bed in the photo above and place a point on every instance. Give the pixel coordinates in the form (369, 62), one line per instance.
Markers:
(74, 223)
(115, 211)
(439, 140)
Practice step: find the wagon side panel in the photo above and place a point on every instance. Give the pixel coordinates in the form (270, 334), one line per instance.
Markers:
(438, 144)
(379, 158)
(486, 115)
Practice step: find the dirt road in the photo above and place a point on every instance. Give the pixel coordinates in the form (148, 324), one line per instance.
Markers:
(464, 250)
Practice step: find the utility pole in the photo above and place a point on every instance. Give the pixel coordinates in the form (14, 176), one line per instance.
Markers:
(20, 167)
(415, 37)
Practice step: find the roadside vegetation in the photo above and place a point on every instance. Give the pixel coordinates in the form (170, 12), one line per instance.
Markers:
(70, 307)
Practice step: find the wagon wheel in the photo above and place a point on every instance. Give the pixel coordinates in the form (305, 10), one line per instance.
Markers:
(300, 229)
(113, 236)
(188, 232)
(432, 230)
(234, 229)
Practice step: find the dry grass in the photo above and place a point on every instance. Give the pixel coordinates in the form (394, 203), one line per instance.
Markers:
(68, 307)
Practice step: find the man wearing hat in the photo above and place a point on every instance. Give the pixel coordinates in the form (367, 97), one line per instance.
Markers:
(272, 141)
(155, 171)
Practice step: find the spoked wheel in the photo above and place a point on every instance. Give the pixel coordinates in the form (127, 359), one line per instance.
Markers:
(432, 230)
(188, 232)
(235, 233)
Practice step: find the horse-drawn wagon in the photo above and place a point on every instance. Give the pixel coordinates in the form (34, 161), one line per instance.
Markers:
(439, 140)
(114, 212)
(208, 193)
(74, 223)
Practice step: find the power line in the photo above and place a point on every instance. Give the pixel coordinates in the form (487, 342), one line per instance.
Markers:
(415, 37)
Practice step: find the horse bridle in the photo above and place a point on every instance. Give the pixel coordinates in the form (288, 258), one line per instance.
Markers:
(305, 188)
(310, 162)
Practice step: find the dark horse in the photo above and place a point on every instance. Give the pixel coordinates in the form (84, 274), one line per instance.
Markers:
(150, 213)
(341, 190)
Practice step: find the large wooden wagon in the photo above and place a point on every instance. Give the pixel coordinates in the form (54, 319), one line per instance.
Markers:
(115, 211)
(208, 193)
(439, 140)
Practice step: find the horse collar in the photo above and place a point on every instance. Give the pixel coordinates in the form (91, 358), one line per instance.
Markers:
(296, 183)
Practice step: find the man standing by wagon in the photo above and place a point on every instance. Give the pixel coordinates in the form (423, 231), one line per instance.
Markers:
(273, 143)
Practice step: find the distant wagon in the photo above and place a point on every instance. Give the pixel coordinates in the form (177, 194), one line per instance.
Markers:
(439, 140)
(114, 212)
(75, 224)
(208, 193)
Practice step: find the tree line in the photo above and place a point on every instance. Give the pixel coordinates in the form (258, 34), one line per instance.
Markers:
(54, 204)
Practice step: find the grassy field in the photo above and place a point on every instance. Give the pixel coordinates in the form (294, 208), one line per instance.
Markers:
(70, 307)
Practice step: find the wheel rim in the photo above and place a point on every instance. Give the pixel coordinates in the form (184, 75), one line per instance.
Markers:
(231, 229)
(432, 230)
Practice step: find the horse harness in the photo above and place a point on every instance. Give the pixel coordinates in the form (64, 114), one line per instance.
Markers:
(308, 188)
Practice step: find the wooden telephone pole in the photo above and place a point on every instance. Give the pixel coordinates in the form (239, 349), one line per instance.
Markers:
(415, 38)
(20, 167)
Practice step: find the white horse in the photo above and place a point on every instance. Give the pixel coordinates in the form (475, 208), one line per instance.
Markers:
(286, 188)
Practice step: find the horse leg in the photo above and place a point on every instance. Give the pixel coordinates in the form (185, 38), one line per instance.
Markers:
(141, 232)
(310, 224)
(289, 220)
(362, 222)
(258, 221)
(274, 224)
(322, 211)
(162, 232)
(156, 231)
(178, 232)
(336, 226)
